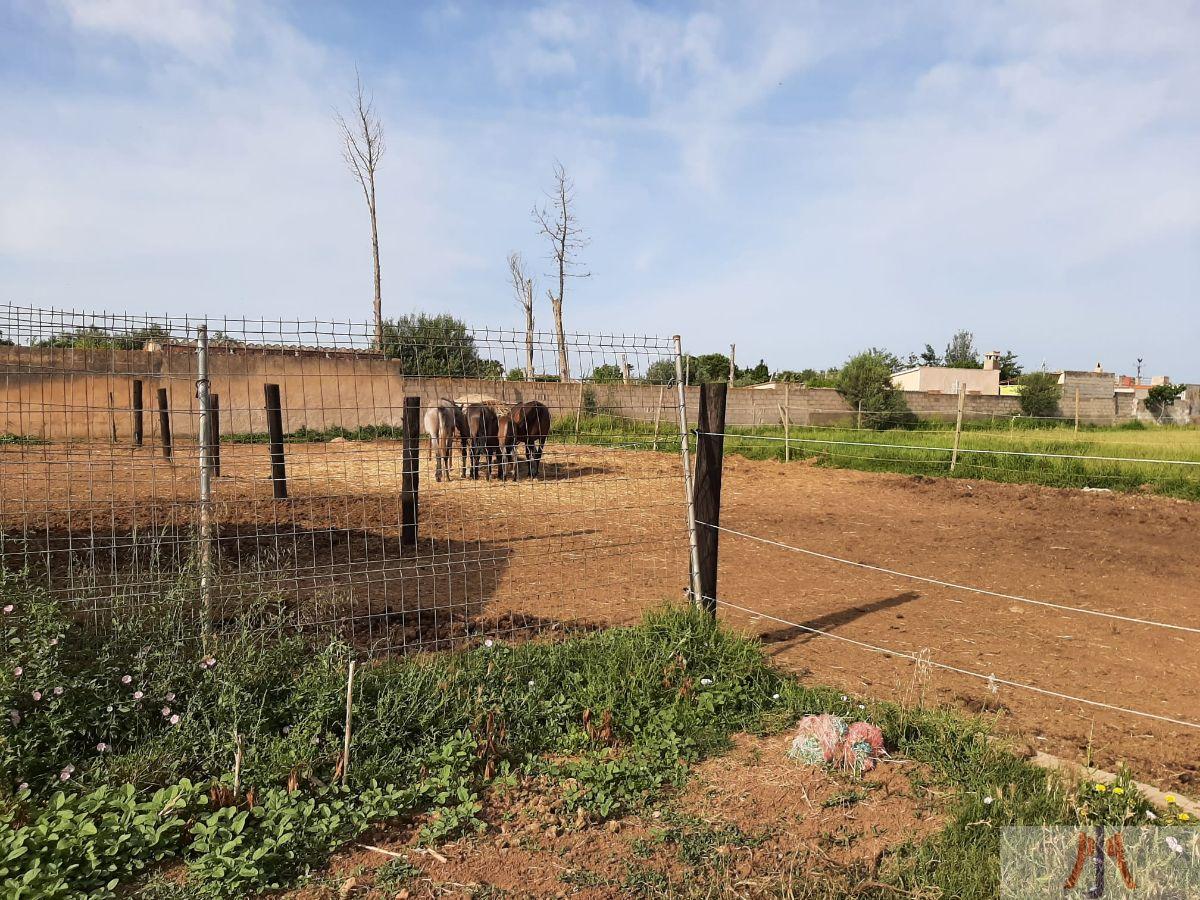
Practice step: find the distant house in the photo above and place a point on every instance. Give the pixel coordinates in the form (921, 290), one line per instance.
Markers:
(945, 380)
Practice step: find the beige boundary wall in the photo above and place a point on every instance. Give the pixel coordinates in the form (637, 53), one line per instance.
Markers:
(65, 394)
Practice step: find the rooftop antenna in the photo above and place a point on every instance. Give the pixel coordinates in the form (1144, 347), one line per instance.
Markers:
(1139, 370)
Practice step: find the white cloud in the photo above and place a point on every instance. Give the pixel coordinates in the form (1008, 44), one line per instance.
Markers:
(194, 28)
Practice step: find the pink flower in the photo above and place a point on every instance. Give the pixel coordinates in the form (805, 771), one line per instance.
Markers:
(53, 642)
(170, 697)
(23, 786)
(18, 672)
(37, 696)
(101, 747)
(8, 608)
(175, 720)
(64, 775)
(166, 710)
(138, 695)
(126, 679)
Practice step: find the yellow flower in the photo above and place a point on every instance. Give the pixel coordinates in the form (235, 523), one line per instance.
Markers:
(1170, 798)
(1118, 790)
(1101, 788)
(1183, 817)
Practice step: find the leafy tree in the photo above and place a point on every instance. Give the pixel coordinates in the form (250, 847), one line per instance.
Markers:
(1159, 397)
(929, 356)
(515, 374)
(867, 379)
(1040, 393)
(1010, 369)
(961, 352)
(706, 368)
(609, 373)
(759, 374)
(5, 342)
(809, 377)
(435, 345)
(661, 371)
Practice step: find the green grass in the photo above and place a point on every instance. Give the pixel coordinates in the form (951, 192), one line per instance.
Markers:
(431, 734)
(892, 451)
(306, 435)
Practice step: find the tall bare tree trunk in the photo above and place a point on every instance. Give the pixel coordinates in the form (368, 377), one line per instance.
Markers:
(564, 362)
(529, 373)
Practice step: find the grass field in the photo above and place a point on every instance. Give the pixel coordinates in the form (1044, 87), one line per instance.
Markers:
(987, 451)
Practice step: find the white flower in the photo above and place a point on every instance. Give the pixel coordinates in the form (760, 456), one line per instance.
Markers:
(126, 679)
(101, 747)
(488, 642)
(58, 692)
(15, 716)
(1150, 815)
(108, 709)
(844, 697)
(53, 642)
(862, 706)
(68, 768)
(1174, 844)
(774, 696)
(706, 681)
(170, 697)
(9, 608)
(987, 801)
(138, 695)
(531, 683)
(175, 719)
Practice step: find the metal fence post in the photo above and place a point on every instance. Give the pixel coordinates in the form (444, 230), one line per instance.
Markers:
(962, 396)
(205, 441)
(787, 421)
(685, 454)
(710, 447)
(662, 391)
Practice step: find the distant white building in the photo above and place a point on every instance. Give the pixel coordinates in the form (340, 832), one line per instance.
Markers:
(945, 380)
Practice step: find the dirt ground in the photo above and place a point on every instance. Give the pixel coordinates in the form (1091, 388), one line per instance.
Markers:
(746, 824)
(600, 538)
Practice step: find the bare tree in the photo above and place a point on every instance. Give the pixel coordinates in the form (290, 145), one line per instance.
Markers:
(556, 220)
(522, 286)
(362, 147)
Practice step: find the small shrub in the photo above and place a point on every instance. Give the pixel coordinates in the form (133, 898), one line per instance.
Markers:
(866, 379)
(1040, 393)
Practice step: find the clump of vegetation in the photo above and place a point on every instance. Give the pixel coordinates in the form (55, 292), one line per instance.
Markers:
(127, 766)
(865, 382)
(1040, 394)
(442, 345)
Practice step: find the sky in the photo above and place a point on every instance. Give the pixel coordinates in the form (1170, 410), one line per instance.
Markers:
(803, 179)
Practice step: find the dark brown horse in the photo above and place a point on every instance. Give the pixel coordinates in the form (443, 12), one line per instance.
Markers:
(526, 423)
(482, 430)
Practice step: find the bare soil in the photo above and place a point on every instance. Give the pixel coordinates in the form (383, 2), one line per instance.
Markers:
(600, 537)
(747, 823)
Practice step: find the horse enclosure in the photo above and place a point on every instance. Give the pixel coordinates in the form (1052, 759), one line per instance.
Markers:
(260, 471)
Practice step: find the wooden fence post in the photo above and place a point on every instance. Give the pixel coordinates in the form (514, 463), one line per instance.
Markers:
(787, 421)
(710, 447)
(578, 410)
(410, 472)
(137, 413)
(662, 392)
(962, 396)
(164, 422)
(214, 432)
(275, 432)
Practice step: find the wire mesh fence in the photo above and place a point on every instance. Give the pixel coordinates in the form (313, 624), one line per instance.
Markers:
(223, 470)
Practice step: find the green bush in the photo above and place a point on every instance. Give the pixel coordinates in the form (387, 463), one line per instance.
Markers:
(865, 382)
(1040, 393)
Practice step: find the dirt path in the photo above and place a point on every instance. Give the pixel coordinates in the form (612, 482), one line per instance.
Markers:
(1131, 555)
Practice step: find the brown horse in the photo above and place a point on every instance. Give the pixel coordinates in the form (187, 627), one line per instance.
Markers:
(526, 423)
(482, 430)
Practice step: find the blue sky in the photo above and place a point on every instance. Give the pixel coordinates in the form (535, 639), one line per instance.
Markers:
(805, 179)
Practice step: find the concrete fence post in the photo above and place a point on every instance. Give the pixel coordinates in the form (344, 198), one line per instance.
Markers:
(962, 397)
